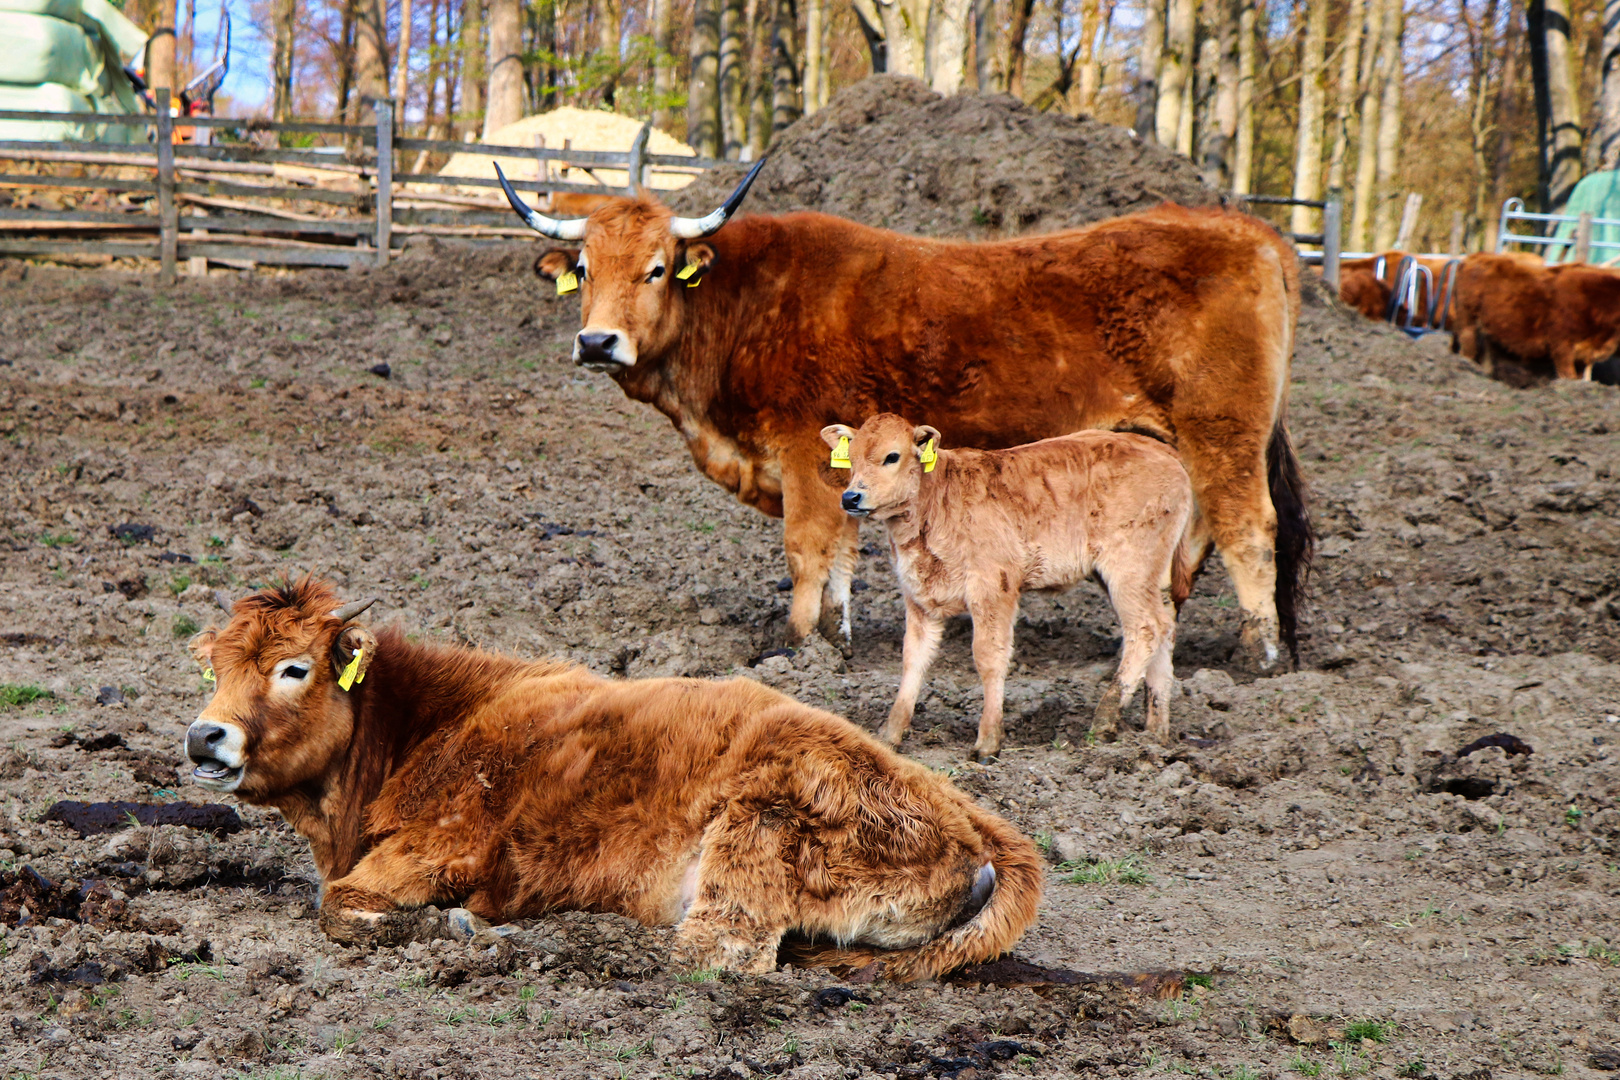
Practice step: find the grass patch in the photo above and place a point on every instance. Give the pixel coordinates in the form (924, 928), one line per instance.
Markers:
(701, 975)
(1376, 1030)
(185, 626)
(16, 696)
(1127, 870)
(56, 540)
(1305, 1066)
(1206, 981)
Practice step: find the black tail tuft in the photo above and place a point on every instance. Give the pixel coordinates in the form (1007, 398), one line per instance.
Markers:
(1296, 542)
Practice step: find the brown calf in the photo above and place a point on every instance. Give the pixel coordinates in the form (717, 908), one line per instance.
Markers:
(971, 529)
(423, 774)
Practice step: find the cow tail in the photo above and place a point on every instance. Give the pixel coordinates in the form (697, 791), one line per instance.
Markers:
(1181, 570)
(1296, 541)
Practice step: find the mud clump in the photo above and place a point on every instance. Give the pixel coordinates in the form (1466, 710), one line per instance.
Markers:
(88, 819)
(890, 152)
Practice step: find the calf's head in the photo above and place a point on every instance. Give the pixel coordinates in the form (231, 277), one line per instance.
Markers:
(284, 671)
(886, 460)
(636, 262)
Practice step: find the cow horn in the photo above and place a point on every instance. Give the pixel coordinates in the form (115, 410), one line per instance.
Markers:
(352, 609)
(697, 228)
(570, 229)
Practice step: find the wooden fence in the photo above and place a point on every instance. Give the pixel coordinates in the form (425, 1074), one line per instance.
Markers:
(360, 225)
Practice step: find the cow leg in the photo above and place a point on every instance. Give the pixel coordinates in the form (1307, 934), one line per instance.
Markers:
(744, 899)
(1161, 680)
(834, 621)
(371, 904)
(1563, 358)
(922, 642)
(1138, 622)
(813, 524)
(1229, 479)
(993, 619)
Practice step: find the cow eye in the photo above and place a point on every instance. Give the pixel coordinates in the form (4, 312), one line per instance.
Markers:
(295, 672)
(654, 274)
(891, 459)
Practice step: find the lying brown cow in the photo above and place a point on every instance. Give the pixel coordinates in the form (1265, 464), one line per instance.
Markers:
(422, 774)
(969, 530)
(1369, 284)
(1513, 309)
(753, 336)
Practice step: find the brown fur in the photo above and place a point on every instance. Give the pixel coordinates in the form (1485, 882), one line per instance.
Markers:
(984, 526)
(514, 788)
(1513, 309)
(1363, 288)
(1174, 321)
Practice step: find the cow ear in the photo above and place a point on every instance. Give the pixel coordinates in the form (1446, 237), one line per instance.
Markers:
(202, 647)
(833, 432)
(555, 263)
(923, 435)
(354, 641)
(696, 261)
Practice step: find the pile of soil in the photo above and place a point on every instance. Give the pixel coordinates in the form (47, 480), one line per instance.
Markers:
(889, 151)
(1368, 879)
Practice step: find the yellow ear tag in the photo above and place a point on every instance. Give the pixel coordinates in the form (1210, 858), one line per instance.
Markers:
(566, 284)
(928, 456)
(351, 674)
(840, 454)
(209, 675)
(685, 274)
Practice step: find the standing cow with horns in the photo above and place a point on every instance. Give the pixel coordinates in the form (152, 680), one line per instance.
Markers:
(1174, 322)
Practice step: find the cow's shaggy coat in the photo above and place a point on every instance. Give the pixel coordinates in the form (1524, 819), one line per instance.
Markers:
(1174, 322)
(1551, 320)
(510, 787)
(980, 527)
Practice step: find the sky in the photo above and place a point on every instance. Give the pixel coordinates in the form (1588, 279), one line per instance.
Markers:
(247, 86)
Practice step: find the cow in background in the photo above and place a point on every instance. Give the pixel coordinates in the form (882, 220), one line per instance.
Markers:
(751, 337)
(430, 775)
(1525, 321)
(1368, 285)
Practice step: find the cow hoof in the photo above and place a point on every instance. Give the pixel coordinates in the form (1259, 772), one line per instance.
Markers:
(1257, 652)
(986, 756)
(373, 929)
(1104, 735)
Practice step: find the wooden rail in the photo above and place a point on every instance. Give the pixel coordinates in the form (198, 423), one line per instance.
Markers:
(216, 177)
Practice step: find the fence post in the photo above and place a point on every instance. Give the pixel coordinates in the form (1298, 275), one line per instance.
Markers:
(1332, 236)
(385, 179)
(168, 220)
(638, 162)
(1583, 239)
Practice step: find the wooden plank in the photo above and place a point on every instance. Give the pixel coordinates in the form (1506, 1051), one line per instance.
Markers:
(123, 248)
(310, 158)
(539, 186)
(267, 223)
(385, 179)
(139, 220)
(108, 149)
(195, 121)
(351, 199)
(280, 256)
(454, 217)
(168, 226)
(147, 162)
(20, 180)
(78, 117)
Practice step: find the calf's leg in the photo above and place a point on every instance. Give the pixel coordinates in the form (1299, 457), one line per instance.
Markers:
(370, 904)
(993, 619)
(1161, 680)
(1136, 605)
(813, 526)
(834, 622)
(922, 642)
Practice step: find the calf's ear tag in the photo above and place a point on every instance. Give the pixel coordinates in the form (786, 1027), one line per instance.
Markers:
(685, 274)
(566, 284)
(840, 454)
(208, 675)
(352, 674)
(929, 456)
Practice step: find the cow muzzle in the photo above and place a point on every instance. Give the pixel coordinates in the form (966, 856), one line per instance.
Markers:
(604, 350)
(216, 754)
(853, 505)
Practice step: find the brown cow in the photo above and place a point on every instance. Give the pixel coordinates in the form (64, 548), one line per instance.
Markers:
(969, 530)
(1367, 285)
(1513, 309)
(754, 336)
(423, 774)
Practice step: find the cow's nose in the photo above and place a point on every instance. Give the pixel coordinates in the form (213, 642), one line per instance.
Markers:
(596, 346)
(202, 741)
(852, 500)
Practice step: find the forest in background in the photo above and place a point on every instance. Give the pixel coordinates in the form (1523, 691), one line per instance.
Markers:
(1466, 102)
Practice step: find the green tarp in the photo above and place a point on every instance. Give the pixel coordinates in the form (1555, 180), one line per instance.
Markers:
(1599, 195)
(67, 56)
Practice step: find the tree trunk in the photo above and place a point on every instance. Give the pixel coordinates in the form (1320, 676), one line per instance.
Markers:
(733, 76)
(663, 20)
(1507, 103)
(1479, 50)
(1221, 132)
(284, 16)
(345, 58)
(984, 45)
(1608, 125)
(1372, 77)
(471, 107)
(370, 57)
(505, 99)
(1344, 113)
(785, 88)
(1016, 56)
(1181, 29)
(703, 91)
(760, 15)
(1308, 139)
(402, 59)
(1387, 218)
(1094, 23)
(1243, 152)
(1149, 63)
(815, 53)
(946, 45)
(872, 28)
(1559, 106)
(609, 24)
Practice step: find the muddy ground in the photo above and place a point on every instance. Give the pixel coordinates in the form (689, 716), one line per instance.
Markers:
(1351, 895)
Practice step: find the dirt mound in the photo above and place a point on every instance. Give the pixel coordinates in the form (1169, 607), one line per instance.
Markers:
(888, 151)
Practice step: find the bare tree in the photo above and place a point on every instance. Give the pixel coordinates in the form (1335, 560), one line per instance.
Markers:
(733, 76)
(402, 58)
(1149, 63)
(1096, 18)
(1016, 56)
(1564, 109)
(1480, 38)
(1344, 107)
(1243, 152)
(471, 110)
(284, 19)
(945, 45)
(1609, 123)
(1175, 70)
(1386, 217)
(1371, 82)
(815, 53)
(505, 98)
(1507, 104)
(984, 44)
(1220, 139)
(760, 14)
(785, 88)
(872, 29)
(1312, 100)
(703, 92)
(663, 63)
